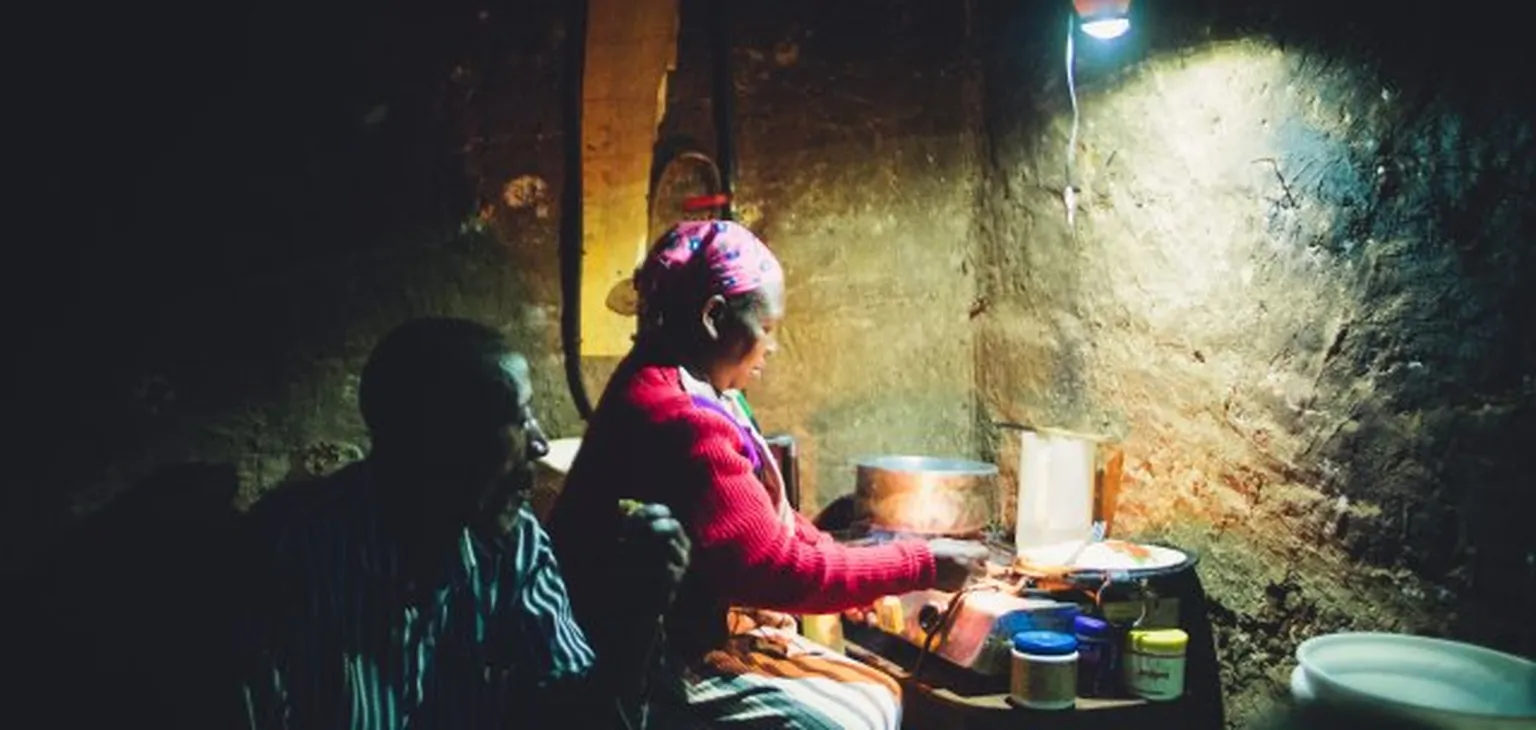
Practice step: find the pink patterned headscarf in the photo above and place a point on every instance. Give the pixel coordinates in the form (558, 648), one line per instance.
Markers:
(699, 259)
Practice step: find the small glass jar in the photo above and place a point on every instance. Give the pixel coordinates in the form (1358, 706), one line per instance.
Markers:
(1097, 673)
(1154, 663)
(1044, 675)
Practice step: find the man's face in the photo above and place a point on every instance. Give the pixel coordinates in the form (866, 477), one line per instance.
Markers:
(490, 463)
(521, 441)
(526, 442)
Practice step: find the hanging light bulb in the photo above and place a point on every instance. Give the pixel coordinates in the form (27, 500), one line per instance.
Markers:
(1103, 19)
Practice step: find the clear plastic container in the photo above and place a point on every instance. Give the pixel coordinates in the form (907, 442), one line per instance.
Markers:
(1055, 492)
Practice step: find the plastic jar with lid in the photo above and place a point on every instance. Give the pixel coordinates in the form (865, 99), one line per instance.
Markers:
(1044, 675)
(824, 629)
(890, 615)
(1154, 663)
(1097, 668)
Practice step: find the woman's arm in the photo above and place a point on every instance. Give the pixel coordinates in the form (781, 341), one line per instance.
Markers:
(742, 550)
(808, 532)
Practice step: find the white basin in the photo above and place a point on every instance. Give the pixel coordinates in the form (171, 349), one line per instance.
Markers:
(549, 478)
(1439, 683)
(561, 453)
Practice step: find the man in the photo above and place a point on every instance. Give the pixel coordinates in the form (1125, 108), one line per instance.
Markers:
(417, 589)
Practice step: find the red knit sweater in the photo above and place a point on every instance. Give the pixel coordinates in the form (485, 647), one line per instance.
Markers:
(650, 441)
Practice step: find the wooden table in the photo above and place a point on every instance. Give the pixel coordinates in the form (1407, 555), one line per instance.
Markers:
(945, 697)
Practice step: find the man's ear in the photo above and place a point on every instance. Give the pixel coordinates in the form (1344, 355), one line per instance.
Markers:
(713, 311)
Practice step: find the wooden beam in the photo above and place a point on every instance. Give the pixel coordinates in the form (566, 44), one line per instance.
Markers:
(631, 46)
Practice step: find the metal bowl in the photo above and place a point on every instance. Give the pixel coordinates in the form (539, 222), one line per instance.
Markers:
(929, 465)
(926, 494)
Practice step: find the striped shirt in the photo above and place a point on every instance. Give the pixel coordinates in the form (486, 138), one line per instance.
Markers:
(349, 646)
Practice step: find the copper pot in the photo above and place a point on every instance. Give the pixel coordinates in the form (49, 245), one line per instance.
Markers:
(926, 495)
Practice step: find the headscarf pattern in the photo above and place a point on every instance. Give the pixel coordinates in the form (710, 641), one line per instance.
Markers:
(695, 260)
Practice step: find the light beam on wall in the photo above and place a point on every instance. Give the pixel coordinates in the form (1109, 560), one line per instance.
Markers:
(1103, 19)
(631, 47)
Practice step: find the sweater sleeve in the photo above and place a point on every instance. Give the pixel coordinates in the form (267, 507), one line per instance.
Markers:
(808, 532)
(742, 550)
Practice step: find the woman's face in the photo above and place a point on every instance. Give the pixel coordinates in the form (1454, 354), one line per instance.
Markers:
(745, 341)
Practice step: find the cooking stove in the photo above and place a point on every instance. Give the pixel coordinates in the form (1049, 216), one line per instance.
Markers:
(971, 628)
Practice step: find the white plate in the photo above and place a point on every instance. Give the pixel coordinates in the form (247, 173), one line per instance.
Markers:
(562, 452)
(1106, 555)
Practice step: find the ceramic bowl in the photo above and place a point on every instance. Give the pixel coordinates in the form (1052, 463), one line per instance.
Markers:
(1436, 682)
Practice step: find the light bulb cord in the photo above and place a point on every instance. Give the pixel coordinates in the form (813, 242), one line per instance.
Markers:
(1069, 191)
(1072, 93)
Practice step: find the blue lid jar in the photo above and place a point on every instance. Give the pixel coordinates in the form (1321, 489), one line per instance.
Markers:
(1045, 643)
(1089, 627)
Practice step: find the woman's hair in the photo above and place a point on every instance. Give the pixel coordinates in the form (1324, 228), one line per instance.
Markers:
(678, 321)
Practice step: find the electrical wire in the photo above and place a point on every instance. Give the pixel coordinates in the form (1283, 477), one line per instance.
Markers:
(723, 89)
(570, 209)
(643, 703)
(1069, 191)
(940, 628)
(946, 621)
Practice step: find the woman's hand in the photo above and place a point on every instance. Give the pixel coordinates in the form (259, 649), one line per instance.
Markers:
(653, 554)
(743, 620)
(956, 562)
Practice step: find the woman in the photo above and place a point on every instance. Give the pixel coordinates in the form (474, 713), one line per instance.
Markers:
(672, 428)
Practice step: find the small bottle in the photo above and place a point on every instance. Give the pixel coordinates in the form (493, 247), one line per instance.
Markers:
(1096, 657)
(889, 615)
(1044, 675)
(1154, 663)
(824, 629)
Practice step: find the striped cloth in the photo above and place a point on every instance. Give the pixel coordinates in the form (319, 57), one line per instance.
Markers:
(770, 677)
(350, 646)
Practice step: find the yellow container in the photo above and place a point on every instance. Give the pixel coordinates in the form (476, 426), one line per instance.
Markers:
(1160, 642)
(889, 615)
(1154, 663)
(825, 629)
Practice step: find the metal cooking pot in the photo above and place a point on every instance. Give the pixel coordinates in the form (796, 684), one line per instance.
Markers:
(925, 494)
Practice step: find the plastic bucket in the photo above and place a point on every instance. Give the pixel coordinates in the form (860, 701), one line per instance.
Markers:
(1427, 682)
